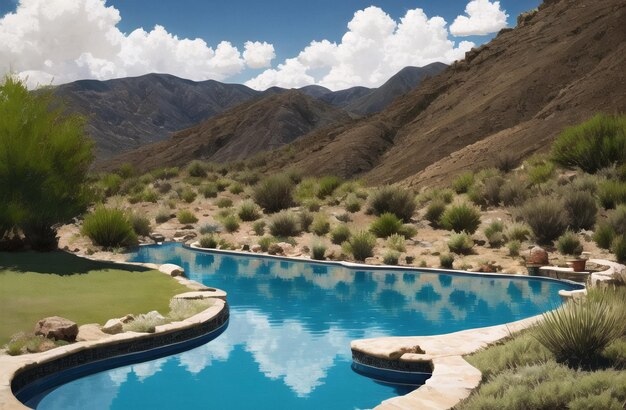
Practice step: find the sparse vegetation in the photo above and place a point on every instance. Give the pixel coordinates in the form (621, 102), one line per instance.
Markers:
(395, 200)
(274, 193)
(385, 225)
(461, 217)
(569, 244)
(306, 219)
(463, 182)
(249, 211)
(340, 234)
(109, 227)
(320, 225)
(360, 245)
(186, 217)
(545, 217)
(514, 247)
(434, 211)
(318, 250)
(396, 242)
(391, 257)
(581, 209)
(208, 241)
(284, 224)
(446, 260)
(259, 228)
(461, 243)
(140, 224)
(231, 223)
(327, 185)
(224, 202)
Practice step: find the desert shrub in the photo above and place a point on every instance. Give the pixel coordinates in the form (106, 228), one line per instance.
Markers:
(181, 309)
(145, 323)
(506, 162)
(545, 217)
(131, 186)
(385, 225)
(231, 223)
(259, 228)
(149, 195)
(306, 189)
(513, 192)
(603, 235)
(135, 198)
(581, 209)
(265, 242)
(208, 241)
(140, 224)
(274, 193)
(463, 182)
(592, 145)
(284, 224)
(163, 187)
(320, 225)
(196, 169)
(391, 257)
(446, 260)
(434, 211)
(208, 190)
(306, 219)
(395, 200)
(188, 195)
(396, 242)
(353, 204)
(327, 185)
(344, 217)
(312, 205)
(225, 212)
(618, 247)
(340, 234)
(249, 211)
(569, 244)
(163, 215)
(540, 173)
(476, 194)
(407, 230)
(221, 184)
(461, 243)
(109, 227)
(461, 217)
(446, 195)
(611, 193)
(495, 234)
(207, 228)
(186, 217)
(224, 202)
(235, 188)
(111, 184)
(360, 245)
(224, 244)
(165, 173)
(318, 250)
(517, 232)
(514, 247)
(248, 177)
(577, 332)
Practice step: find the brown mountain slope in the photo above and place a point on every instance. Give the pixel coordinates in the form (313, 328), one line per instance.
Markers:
(238, 133)
(515, 93)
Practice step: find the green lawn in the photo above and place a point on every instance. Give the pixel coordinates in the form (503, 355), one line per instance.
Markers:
(36, 285)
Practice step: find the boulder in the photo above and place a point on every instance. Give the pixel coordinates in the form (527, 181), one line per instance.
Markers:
(171, 269)
(537, 256)
(113, 326)
(255, 248)
(58, 328)
(90, 332)
(286, 247)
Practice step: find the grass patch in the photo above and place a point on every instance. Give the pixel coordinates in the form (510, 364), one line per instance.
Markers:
(37, 285)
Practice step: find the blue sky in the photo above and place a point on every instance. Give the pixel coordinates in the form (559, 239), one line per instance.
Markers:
(287, 25)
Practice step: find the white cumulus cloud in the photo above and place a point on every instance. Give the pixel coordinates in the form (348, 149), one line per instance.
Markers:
(374, 47)
(483, 17)
(57, 41)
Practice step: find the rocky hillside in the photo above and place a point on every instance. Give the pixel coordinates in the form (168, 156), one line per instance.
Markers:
(238, 133)
(127, 113)
(558, 67)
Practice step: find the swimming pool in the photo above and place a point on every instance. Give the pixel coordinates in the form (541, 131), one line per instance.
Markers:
(287, 344)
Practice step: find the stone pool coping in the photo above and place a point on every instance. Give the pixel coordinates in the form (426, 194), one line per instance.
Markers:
(13, 366)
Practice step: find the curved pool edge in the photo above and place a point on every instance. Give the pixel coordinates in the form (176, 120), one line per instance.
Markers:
(112, 351)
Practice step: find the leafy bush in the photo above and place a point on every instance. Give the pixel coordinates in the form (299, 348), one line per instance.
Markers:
(569, 244)
(540, 173)
(327, 185)
(318, 250)
(446, 260)
(249, 211)
(235, 188)
(577, 332)
(163, 215)
(361, 245)
(274, 193)
(231, 223)
(140, 224)
(391, 199)
(463, 182)
(111, 184)
(385, 225)
(306, 219)
(208, 241)
(353, 204)
(340, 234)
(186, 217)
(320, 225)
(188, 195)
(265, 242)
(109, 227)
(611, 193)
(592, 145)
(45, 156)
(545, 217)
(396, 242)
(459, 218)
(581, 209)
(604, 235)
(461, 243)
(434, 211)
(208, 190)
(618, 247)
(284, 223)
(259, 228)
(224, 202)
(514, 247)
(196, 169)
(391, 257)
(518, 232)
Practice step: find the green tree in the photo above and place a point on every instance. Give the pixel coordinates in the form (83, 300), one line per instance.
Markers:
(44, 159)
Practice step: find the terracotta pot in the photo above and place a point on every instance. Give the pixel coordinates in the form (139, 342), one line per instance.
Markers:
(578, 264)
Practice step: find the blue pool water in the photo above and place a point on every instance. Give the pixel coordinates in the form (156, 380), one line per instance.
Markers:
(287, 345)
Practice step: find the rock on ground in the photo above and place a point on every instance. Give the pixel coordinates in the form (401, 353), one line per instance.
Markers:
(58, 328)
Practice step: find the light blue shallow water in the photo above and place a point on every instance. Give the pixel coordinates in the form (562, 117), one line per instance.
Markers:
(287, 345)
